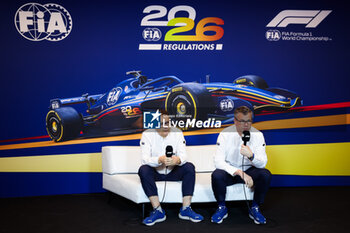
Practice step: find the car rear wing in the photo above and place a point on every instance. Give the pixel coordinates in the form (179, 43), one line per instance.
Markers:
(88, 99)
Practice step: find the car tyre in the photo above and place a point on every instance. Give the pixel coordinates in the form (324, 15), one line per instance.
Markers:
(189, 101)
(63, 124)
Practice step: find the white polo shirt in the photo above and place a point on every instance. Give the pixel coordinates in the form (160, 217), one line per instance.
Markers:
(228, 156)
(153, 146)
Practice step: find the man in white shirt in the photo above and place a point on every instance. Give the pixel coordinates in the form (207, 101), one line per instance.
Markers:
(239, 163)
(157, 167)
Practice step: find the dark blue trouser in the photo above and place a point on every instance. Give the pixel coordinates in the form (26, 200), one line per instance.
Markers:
(261, 178)
(184, 173)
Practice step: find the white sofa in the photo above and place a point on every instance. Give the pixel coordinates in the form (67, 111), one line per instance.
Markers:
(120, 165)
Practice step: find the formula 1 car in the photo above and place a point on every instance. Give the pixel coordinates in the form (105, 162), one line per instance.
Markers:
(119, 111)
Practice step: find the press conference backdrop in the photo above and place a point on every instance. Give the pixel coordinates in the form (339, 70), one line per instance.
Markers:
(62, 49)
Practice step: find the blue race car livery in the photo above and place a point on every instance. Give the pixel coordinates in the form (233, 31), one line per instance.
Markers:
(119, 111)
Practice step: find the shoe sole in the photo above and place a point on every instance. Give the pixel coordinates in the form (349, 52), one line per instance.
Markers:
(256, 222)
(225, 216)
(189, 218)
(158, 220)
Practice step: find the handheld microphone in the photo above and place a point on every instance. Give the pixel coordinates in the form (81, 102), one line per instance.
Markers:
(168, 151)
(246, 137)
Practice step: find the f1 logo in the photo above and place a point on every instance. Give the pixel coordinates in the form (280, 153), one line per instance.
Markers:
(311, 18)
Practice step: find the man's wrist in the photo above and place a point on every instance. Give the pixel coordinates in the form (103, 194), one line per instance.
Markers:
(238, 172)
(251, 157)
(161, 159)
(178, 160)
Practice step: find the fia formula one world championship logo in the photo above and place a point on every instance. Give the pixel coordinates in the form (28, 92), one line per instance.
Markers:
(310, 18)
(37, 22)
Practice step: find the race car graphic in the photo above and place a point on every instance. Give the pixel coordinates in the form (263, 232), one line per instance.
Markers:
(119, 111)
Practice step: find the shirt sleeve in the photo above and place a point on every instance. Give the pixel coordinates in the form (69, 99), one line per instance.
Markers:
(181, 148)
(259, 150)
(220, 156)
(146, 152)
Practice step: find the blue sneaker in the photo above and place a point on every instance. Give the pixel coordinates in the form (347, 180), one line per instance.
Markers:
(255, 214)
(154, 217)
(220, 215)
(189, 214)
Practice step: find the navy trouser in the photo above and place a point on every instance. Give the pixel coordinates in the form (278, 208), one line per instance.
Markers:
(261, 178)
(184, 173)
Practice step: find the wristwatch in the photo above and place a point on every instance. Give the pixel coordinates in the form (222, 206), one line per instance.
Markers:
(251, 158)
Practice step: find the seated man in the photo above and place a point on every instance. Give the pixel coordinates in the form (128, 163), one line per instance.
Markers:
(157, 167)
(231, 169)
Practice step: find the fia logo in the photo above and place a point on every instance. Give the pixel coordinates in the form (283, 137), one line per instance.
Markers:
(152, 34)
(38, 22)
(113, 95)
(151, 120)
(273, 35)
(226, 105)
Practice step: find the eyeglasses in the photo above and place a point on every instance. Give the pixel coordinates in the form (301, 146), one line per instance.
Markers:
(243, 122)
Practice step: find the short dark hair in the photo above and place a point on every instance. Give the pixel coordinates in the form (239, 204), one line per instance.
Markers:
(242, 109)
(163, 111)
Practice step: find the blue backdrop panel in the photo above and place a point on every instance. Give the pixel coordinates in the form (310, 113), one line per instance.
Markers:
(306, 51)
(104, 43)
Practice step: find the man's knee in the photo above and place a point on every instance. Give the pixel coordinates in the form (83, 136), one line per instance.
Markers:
(145, 170)
(189, 168)
(265, 175)
(218, 175)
